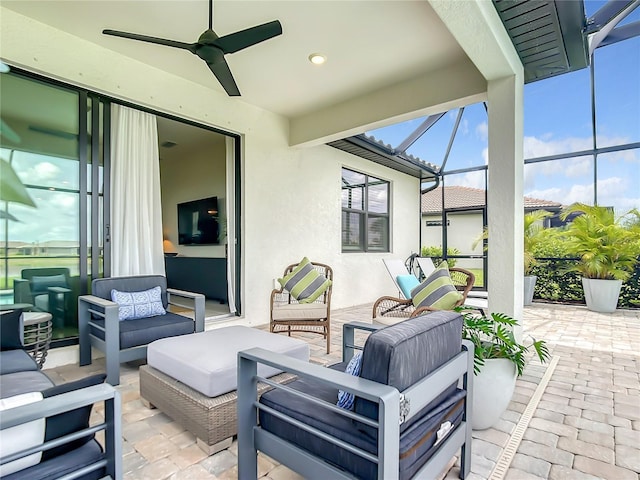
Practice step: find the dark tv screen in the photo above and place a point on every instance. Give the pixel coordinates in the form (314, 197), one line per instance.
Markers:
(198, 222)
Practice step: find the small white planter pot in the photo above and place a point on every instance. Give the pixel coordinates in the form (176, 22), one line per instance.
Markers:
(492, 391)
(601, 295)
(529, 286)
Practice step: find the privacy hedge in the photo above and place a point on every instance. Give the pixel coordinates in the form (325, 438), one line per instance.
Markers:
(554, 283)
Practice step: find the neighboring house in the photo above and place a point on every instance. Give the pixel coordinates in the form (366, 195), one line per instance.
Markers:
(464, 209)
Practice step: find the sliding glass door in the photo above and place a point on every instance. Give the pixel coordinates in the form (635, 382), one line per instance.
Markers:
(50, 247)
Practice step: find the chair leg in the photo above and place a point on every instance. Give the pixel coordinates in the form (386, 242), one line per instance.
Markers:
(112, 358)
(327, 330)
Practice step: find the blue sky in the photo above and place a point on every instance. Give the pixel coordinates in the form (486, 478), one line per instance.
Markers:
(557, 119)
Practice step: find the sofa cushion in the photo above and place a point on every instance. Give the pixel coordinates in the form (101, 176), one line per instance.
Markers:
(134, 305)
(20, 437)
(40, 284)
(437, 290)
(11, 328)
(13, 361)
(23, 382)
(299, 311)
(304, 282)
(71, 421)
(407, 283)
(101, 287)
(65, 464)
(403, 354)
(145, 330)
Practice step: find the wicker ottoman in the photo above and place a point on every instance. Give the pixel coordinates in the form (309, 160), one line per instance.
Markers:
(192, 378)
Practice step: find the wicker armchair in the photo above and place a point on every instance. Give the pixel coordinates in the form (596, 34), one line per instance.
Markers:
(288, 315)
(393, 307)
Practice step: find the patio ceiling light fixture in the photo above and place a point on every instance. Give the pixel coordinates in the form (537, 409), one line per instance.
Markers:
(317, 58)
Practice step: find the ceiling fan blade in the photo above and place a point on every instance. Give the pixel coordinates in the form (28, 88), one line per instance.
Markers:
(245, 38)
(158, 41)
(222, 72)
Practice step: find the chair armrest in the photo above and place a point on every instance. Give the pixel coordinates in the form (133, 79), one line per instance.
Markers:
(22, 291)
(70, 401)
(91, 305)
(348, 337)
(58, 289)
(376, 392)
(198, 305)
(392, 306)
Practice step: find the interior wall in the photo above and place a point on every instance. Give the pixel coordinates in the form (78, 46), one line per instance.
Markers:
(290, 196)
(193, 175)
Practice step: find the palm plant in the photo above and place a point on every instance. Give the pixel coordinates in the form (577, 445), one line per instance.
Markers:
(608, 249)
(492, 337)
(532, 230)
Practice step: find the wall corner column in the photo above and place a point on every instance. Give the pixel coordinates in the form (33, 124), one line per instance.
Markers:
(505, 200)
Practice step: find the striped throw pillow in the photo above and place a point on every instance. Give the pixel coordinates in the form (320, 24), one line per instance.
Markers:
(436, 291)
(305, 283)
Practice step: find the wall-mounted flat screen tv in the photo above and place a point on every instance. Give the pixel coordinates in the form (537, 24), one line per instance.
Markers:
(198, 222)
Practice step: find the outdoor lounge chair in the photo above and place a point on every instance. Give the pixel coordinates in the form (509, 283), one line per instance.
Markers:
(100, 325)
(409, 416)
(388, 309)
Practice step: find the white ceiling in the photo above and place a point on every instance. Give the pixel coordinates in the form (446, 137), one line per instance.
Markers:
(370, 45)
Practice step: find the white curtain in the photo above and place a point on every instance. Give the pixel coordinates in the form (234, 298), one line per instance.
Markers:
(231, 223)
(136, 215)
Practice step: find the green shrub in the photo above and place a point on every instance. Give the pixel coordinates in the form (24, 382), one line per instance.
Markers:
(436, 255)
(556, 283)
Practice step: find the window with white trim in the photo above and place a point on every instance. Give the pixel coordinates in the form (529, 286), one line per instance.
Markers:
(365, 213)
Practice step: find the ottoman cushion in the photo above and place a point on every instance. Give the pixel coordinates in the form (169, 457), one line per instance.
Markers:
(208, 361)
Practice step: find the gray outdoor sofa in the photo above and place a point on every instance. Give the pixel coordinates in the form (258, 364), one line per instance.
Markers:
(123, 341)
(38, 416)
(410, 416)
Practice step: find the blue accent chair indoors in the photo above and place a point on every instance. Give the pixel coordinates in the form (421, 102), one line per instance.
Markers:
(410, 415)
(126, 340)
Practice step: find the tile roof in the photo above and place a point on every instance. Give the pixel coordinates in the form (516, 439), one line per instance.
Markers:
(467, 197)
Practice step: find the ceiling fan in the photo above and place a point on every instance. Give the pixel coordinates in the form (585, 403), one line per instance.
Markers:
(212, 48)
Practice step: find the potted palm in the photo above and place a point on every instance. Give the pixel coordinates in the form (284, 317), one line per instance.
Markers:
(498, 360)
(532, 236)
(607, 249)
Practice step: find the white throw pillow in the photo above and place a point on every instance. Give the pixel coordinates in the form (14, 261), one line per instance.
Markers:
(20, 437)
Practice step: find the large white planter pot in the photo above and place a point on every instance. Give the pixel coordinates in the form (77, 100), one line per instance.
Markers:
(529, 285)
(492, 391)
(601, 295)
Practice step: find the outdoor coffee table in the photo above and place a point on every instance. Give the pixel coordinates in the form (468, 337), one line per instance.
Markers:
(192, 378)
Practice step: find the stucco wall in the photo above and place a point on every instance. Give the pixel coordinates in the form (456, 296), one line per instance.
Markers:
(290, 196)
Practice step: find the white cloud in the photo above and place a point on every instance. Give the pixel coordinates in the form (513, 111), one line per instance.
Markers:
(482, 131)
(577, 193)
(471, 179)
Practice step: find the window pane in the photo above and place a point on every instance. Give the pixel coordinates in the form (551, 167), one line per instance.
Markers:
(377, 233)
(617, 90)
(432, 145)
(378, 196)
(352, 231)
(562, 181)
(619, 180)
(470, 146)
(557, 115)
(43, 170)
(353, 185)
(395, 134)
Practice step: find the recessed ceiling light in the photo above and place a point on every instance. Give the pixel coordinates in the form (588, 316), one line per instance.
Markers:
(317, 58)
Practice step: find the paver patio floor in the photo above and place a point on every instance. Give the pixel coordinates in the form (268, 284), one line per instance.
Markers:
(585, 426)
